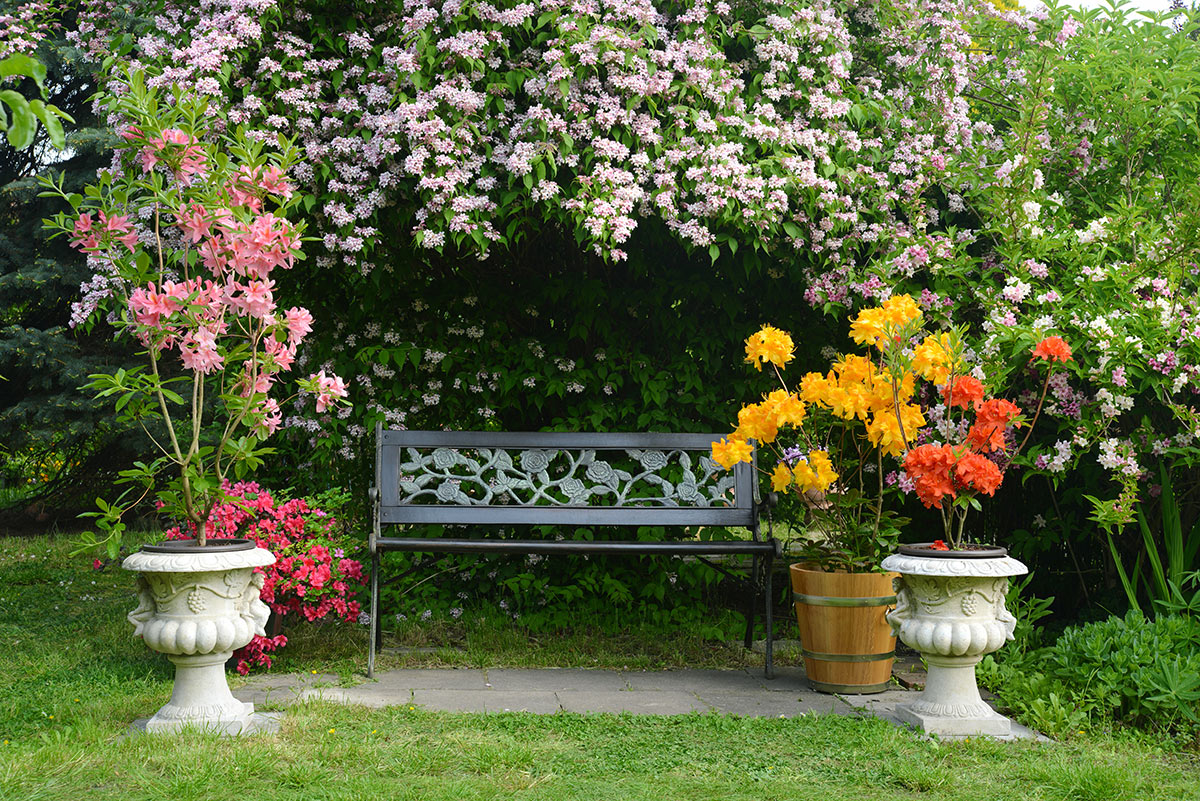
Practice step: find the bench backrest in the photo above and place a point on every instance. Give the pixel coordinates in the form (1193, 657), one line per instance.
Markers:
(498, 478)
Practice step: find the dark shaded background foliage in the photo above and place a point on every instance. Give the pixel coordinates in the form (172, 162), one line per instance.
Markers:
(53, 435)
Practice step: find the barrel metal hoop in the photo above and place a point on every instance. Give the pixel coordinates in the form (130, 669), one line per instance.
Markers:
(829, 600)
(849, 689)
(820, 657)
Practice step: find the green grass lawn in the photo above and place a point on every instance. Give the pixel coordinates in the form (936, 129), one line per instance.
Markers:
(75, 679)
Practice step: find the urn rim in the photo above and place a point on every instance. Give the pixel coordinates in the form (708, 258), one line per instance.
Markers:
(926, 549)
(190, 546)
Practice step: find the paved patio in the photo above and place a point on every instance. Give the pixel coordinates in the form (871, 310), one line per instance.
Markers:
(551, 690)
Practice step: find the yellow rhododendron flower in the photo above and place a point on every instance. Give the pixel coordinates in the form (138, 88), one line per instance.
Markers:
(729, 452)
(815, 473)
(820, 461)
(882, 397)
(805, 476)
(874, 326)
(788, 409)
(932, 359)
(769, 345)
(839, 401)
(813, 387)
(852, 368)
(900, 310)
(883, 430)
(781, 478)
(868, 327)
(756, 421)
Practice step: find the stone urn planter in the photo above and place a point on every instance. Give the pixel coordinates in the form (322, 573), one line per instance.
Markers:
(950, 608)
(197, 606)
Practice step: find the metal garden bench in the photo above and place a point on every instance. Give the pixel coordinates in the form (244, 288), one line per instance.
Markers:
(467, 478)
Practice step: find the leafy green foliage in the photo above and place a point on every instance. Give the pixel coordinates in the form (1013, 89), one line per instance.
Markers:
(60, 445)
(20, 122)
(1132, 671)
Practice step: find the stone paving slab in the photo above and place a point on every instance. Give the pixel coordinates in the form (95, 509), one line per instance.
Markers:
(416, 679)
(546, 691)
(694, 680)
(774, 705)
(539, 702)
(553, 679)
(660, 702)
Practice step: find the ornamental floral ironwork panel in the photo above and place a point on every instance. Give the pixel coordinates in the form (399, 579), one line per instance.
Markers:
(560, 477)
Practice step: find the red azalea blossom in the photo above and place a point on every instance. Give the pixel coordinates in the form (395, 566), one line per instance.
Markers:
(929, 468)
(966, 391)
(976, 472)
(1052, 349)
(991, 421)
(938, 545)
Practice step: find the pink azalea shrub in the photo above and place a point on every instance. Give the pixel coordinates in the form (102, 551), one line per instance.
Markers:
(189, 230)
(311, 577)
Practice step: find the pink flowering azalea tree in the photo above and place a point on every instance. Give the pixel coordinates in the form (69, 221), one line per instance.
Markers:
(190, 230)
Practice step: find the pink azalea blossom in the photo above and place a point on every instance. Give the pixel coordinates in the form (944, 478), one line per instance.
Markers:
(328, 388)
(150, 306)
(194, 221)
(299, 323)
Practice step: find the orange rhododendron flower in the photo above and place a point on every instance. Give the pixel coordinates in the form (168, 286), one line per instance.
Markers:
(1053, 349)
(978, 473)
(991, 422)
(966, 391)
(929, 467)
(729, 452)
(769, 345)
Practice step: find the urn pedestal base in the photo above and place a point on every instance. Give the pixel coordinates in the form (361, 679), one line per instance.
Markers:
(201, 698)
(950, 705)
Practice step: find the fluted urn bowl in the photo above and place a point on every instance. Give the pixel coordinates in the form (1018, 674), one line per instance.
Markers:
(197, 606)
(950, 608)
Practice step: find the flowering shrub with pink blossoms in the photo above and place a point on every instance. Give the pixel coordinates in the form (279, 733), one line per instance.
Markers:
(312, 576)
(790, 127)
(766, 137)
(186, 231)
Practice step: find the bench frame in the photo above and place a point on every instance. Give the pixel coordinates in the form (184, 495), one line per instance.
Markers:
(389, 509)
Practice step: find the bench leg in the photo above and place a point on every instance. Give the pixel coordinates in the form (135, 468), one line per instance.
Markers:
(751, 603)
(769, 669)
(376, 632)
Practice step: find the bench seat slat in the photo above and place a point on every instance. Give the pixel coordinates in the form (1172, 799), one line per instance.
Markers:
(567, 515)
(685, 548)
(613, 440)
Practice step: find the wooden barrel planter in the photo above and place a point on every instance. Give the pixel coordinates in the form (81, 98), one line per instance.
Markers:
(847, 644)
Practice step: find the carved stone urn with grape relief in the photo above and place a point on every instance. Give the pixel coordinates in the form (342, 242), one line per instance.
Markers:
(950, 608)
(198, 605)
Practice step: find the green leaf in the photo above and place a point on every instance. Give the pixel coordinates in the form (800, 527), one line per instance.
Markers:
(23, 124)
(21, 64)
